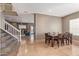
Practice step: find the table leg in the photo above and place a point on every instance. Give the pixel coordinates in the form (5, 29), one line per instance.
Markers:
(52, 42)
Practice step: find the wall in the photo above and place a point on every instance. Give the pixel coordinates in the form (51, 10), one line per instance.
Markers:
(28, 18)
(45, 23)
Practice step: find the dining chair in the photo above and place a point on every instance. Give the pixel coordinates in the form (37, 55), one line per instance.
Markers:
(47, 38)
(60, 37)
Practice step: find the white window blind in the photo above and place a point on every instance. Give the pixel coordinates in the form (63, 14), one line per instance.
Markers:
(74, 26)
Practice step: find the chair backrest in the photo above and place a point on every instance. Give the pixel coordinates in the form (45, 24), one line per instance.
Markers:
(67, 35)
(46, 35)
(70, 36)
(60, 35)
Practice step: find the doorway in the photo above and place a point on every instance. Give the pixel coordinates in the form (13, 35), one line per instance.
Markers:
(27, 31)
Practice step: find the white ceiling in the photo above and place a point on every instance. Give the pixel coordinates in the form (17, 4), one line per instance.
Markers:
(54, 9)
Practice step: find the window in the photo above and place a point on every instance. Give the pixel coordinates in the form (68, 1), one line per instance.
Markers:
(74, 26)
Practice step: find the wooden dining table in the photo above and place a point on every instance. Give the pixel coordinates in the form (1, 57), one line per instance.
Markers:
(60, 38)
(53, 39)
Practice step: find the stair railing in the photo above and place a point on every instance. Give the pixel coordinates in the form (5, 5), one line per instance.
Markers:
(13, 31)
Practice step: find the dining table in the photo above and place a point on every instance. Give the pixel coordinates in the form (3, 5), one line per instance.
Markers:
(54, 37)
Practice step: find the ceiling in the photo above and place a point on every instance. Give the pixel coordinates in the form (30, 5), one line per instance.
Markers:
(53, 9)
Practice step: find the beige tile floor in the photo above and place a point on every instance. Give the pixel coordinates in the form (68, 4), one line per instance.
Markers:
(39, 48)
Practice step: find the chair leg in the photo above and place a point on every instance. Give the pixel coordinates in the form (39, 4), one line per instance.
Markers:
(70, 41)
(58, 43)
(62, 42)
(52, 43)
(67, 41)
(48, 42)
(45, 41)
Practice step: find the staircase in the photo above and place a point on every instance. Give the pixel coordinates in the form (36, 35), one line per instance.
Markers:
(10, 38)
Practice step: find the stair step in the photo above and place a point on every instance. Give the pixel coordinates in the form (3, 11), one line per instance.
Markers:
(3, 34)
(3, 39)
(6, 43)
(9, 48)
(13, 52)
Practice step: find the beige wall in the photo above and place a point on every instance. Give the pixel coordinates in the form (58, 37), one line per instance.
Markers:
(46, 23)
(28, 18)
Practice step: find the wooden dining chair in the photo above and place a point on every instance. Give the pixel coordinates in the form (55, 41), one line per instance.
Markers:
(56, 39)
(47, 38)
(66, 37)
(60, 37)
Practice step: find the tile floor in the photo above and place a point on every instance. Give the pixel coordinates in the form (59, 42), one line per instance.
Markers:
(39, 48)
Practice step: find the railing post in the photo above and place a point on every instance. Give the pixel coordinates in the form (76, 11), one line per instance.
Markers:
(20, 35)
(0, 22)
